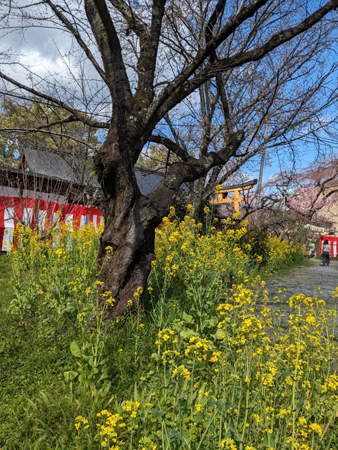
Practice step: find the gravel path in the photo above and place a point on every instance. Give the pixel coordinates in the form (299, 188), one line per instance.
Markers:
(306, 279)
(312, 280)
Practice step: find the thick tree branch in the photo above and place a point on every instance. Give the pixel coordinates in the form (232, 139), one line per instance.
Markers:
(111, 52)
(218, 11)
(173, 146)
(134, 22)
(225, 104)
(148, 52)
(207, 111)
(179, 173)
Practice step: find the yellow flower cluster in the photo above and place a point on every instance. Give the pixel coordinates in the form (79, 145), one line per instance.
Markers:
(82, 420)
(276, 382)
(280, 252)
(59, 267)
(182, 250)
(110, 429)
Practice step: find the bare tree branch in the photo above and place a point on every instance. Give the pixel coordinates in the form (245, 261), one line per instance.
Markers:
(50, 132)
(179, 88)
(81, 117)
(110, 47)
(78, 38)
(134, 22)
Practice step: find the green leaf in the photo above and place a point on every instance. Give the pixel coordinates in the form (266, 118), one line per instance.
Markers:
(211, 402)
(104, 376)
(300, 403)
(198, 418)
(82, 378)
(91, 360)
(157, 413)
(187, 334)
(172, 433)
(269, 440)
(219, 334)
(32, 404)
(103, 392)
(74, 348)
(213, 321)
(228, 406)
(187, 318)
(70, 375)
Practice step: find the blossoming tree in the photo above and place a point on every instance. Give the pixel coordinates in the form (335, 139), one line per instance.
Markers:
(315, 193)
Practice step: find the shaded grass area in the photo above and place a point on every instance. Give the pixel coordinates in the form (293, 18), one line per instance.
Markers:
(5, 286)
(33, 356)
(286, 270)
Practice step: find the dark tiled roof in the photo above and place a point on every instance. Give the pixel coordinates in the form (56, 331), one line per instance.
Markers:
(49, 164)
(69, 167)
(148, 180)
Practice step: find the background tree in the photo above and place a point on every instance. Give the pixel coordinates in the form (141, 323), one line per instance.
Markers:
(155, 158)
(149, 58)
(58, 131)
(313, 192)
(281, 109)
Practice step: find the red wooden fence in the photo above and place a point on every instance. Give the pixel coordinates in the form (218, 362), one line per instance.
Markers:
(35, 211)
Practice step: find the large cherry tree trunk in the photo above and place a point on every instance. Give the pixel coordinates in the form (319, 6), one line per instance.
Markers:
(130, 221)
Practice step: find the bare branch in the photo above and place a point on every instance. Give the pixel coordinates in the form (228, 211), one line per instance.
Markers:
(81, 117)
(148, 52)
(110, 48)
(225, 104)
(50, 132)
(78, 38)
(134, 22)
(179, 88)
(179, 173)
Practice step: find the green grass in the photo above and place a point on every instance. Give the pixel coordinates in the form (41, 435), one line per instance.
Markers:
(286, 270)
(5, 285)
(33, 357)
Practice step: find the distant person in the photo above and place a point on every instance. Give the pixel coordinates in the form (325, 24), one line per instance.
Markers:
(326, 253)
(311, 249)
